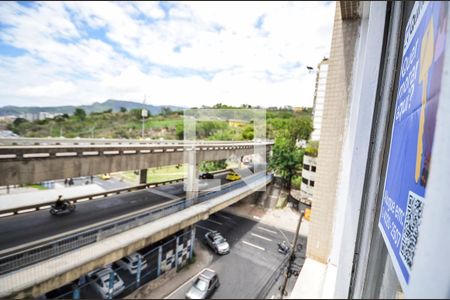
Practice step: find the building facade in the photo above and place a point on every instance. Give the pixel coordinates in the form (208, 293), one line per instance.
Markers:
(380, 213)
(308, 179)
(319, 98)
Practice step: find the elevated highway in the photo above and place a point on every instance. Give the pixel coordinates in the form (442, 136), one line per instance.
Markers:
(29, 161)
(40, 252)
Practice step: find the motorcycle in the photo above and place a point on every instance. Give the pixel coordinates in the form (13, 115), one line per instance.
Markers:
(66, 207)
(283, 248)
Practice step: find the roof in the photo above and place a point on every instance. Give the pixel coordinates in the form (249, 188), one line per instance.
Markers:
(208, 274)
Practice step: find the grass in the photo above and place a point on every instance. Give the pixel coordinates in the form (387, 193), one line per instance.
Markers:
(157, 174)
(37, 186)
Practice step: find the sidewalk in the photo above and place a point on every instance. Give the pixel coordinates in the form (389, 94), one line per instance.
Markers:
(35, 197)
(160, 287)
(285, 218)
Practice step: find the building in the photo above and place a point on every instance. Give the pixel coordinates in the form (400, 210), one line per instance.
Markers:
(319, 97)
(379, 219)
(308, 179)
(39, 116)
(310, 162)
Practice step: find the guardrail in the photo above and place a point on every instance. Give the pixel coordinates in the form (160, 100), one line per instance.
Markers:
(46, 205)
(75, 141)
(24, 255)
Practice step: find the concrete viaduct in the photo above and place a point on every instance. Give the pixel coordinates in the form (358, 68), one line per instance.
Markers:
(34, 160)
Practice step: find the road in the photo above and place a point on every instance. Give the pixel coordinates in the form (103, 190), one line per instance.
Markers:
(252, 261)
(24, 228)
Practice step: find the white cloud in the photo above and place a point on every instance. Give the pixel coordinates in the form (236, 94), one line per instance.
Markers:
(202, 54)
(54, 89)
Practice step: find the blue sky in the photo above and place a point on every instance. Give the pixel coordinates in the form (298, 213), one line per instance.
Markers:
(178, 53)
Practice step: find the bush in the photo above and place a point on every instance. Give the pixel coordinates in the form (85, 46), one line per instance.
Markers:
(296, 182)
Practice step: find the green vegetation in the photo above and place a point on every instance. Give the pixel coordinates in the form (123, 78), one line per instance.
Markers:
(169, 124)
(312, 148)
(296, 182)
(36, 186)
(157, 174)
(211, 166)
(287, 158)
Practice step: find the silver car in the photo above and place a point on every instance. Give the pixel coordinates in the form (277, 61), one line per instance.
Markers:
(204, 286)
(217, 242)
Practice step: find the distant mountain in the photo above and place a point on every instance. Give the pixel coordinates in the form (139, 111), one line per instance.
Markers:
(115, 105)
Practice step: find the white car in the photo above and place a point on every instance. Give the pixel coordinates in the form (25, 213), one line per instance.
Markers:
(101, 279)
(130, 263)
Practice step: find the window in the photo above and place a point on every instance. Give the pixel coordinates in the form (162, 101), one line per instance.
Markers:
(311, 183)
(313, 168)
(306, 167)
(305, 181)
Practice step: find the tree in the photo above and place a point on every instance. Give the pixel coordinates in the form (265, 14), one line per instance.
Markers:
(165, 110)
(286, 159)
(17, 122)
(210, 166)
(247, 133)
(179, 131)
(136, 113)
(123, 109)
(300, 128)
(80, 113)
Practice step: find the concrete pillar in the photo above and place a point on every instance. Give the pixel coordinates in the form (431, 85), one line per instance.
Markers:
(191, 185)
(143, 176)
(192, 242)
(176, 251)
(158, 268)
(76, 292)
(111, 285)
(138, 274)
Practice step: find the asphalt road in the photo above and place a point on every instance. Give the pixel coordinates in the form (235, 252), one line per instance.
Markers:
(252, 261)
(24, 228)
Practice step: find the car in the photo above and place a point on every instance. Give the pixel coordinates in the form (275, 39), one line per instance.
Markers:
(233, 176)
(105, 176)
(101, 278)
(130, 263)
(204, 285)
(206, 175)
(217, 242)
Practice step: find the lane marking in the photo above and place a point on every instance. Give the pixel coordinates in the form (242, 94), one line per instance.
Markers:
(268, 230)
(261, 237)
(218, 223)
(181, 286)
(161, 193)
(225, 217)
(256, 217)
(253, 245)
(287, 240)
(205, 228)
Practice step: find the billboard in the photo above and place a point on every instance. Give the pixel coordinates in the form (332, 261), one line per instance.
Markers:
(404, 194)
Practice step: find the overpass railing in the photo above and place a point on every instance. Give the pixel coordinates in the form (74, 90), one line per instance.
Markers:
(24, 255)
(46, 205)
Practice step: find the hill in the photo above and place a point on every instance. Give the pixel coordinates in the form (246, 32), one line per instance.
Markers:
(115, 105)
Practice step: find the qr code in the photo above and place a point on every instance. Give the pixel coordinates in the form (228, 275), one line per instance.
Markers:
(410, 234)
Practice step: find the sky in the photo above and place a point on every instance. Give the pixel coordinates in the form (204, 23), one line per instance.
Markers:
(172, 53)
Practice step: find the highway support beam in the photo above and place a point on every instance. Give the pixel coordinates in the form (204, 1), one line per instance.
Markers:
(143, 176)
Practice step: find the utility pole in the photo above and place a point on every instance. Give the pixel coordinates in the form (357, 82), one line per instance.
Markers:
(292, 255)
(144, 114)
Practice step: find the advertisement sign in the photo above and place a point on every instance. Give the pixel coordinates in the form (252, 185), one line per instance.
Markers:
(404, 195)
